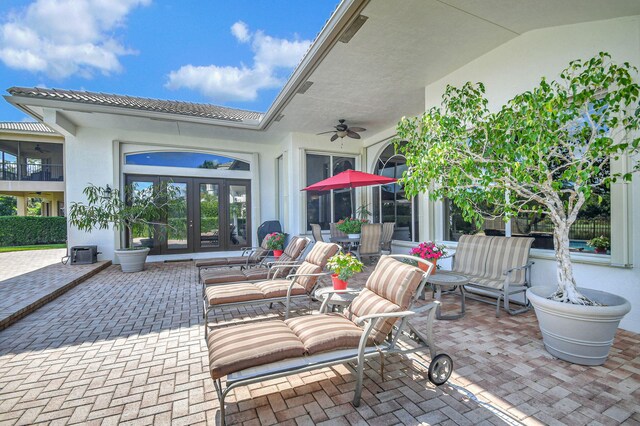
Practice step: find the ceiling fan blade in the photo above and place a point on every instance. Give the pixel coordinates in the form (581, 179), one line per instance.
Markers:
(357, 129)
(324, 133)
(353, 135)
(334, 137)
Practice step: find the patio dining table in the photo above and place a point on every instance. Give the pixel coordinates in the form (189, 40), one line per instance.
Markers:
(347, 243)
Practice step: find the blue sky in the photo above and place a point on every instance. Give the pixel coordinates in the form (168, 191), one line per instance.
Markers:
(232, 53)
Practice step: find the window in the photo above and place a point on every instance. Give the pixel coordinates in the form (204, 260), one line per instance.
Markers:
(324, 207)
(193, 160)
(594, 220)
(390, 203)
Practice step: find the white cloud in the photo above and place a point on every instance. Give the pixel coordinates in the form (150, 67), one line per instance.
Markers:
(61, 38)
(241, 32)
(233, 83)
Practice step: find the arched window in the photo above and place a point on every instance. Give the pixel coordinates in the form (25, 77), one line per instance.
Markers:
(192, 160)
(390, 203)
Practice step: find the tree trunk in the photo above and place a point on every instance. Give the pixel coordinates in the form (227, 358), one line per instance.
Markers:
(567, 289)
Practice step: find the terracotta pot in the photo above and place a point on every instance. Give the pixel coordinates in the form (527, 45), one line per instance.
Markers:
(424, 267)
(277, 253)
(601, 250)
(338, 284)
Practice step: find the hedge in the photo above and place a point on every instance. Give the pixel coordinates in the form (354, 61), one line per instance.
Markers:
(29, 230)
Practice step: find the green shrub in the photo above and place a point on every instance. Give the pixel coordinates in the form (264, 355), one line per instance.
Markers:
(29, 230)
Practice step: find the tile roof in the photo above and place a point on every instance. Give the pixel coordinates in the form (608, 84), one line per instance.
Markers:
(142, 104)
(26, 126)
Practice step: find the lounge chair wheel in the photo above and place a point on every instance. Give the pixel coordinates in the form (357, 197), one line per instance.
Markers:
(440, 369)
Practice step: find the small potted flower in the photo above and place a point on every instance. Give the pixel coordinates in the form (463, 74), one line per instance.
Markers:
(344, 266)
(601, 244)
(275, 243)
(351, 226)
(430, 251)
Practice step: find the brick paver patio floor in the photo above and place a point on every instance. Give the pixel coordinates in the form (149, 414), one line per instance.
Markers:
(129, 349)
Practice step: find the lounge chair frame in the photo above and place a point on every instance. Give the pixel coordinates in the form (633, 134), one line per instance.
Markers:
(423, 338)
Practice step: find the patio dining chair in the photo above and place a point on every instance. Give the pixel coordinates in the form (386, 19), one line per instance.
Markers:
(316, 231)
(251, 256)
(277, 269)
(387, 236)
(372, 326)
(335, 232)
(301, 284)
(369, 241)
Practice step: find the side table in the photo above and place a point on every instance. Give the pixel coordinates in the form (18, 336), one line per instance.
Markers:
(450, 281)
(341, 300)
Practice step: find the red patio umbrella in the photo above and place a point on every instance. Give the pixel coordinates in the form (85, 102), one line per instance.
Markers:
(349, 179)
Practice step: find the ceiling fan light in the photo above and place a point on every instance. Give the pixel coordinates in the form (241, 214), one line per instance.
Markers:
(341, 133)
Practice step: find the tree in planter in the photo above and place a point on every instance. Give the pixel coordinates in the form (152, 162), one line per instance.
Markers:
(548, 150)
(140, 207)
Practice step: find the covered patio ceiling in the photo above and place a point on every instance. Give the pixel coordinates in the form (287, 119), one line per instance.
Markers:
(374, 79)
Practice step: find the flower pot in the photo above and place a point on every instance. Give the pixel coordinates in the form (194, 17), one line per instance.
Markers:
(600, 250)
(338, 284)
(577, 333)
(277, 253)
(132, 260)
(424, 267)
(354, 236)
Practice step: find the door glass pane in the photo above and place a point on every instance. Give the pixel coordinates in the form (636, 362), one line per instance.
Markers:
(343, 198)
(177, 217)
(143, 235)
(209, 215)
(318, 203)
(238, 215)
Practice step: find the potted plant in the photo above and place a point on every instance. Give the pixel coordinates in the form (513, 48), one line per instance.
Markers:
(343, 266)
(351, 226)
(547, 150)
(600, 244)
(139, 208)
(275, 243)
(430, 251)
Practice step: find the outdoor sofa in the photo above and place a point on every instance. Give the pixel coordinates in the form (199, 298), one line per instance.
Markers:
(372, 325)
(497, 266)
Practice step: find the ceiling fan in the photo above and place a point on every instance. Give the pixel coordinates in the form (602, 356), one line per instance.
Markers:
(39, 149)
(343, 130)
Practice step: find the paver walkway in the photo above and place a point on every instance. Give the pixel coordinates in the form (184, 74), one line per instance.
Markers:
(30, 279)
(129, 349)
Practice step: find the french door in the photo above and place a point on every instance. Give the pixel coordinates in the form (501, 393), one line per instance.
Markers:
(204, 215)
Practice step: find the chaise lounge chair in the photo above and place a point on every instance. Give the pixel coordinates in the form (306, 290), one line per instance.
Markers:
(301, 284)
(251, 256)
(292, 252)
(252, 353)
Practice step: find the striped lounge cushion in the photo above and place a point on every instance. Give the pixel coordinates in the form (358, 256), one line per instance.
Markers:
(217, 276)
(218, 261)
(308, 268)
(235, 348)
(325, 332)
(278, 288)
(320, 253)
(233, 293)
(367, 303)
(395, 281)
(471, 254)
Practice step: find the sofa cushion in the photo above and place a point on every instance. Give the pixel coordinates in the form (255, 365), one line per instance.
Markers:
(325, 332)
(236, 348)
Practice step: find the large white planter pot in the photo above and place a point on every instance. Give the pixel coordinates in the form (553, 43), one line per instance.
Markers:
(576, 333)
(132, 260)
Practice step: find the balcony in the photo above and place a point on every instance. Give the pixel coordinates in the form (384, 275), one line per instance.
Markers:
(31, 172)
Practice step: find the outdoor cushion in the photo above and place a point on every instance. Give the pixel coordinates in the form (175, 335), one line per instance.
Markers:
(394, 281)
(232, 293)
(507, 253)
(238, 347)
(307, 268)
(218, 261)
(486, 282)
(367, 303)
(320, 253)
(370, 237)
(325, 332)
(471, 254)
(278, 288)
(216, 276)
